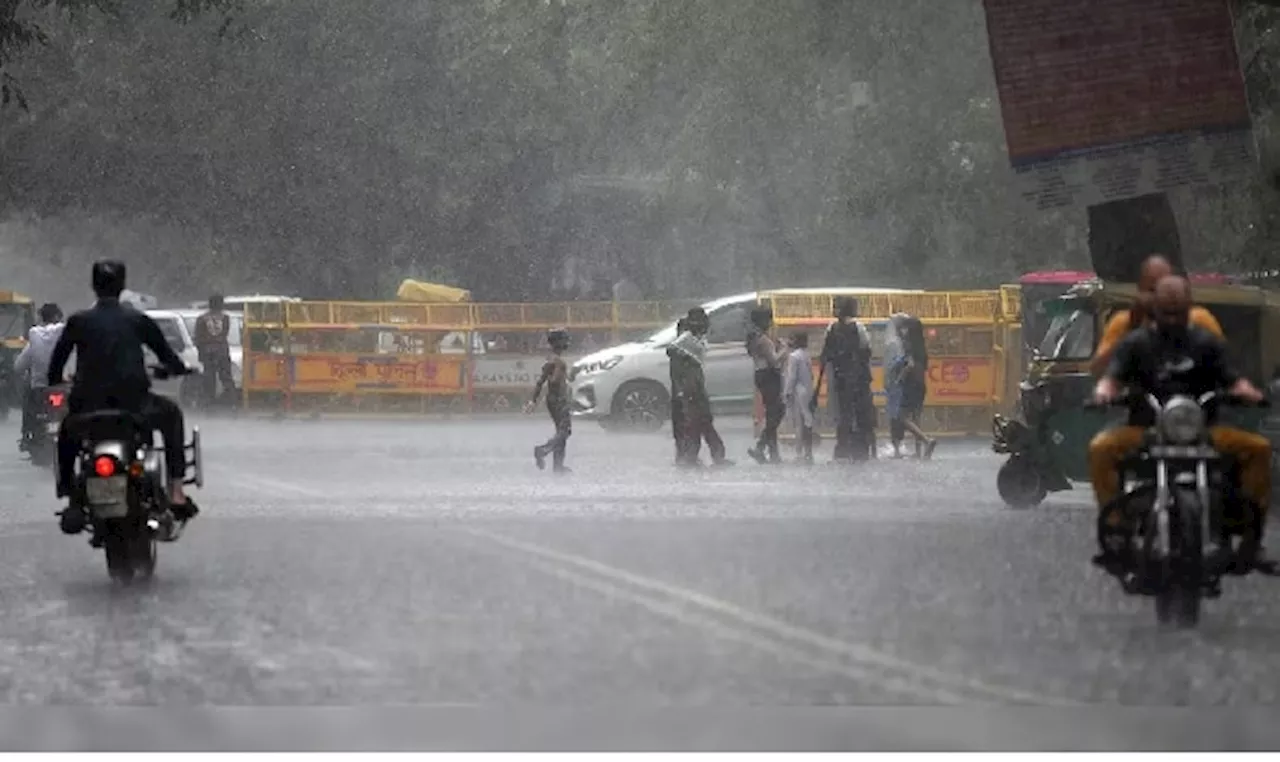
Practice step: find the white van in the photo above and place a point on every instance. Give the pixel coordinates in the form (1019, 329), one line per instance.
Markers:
(237, 303)
(628, 386)
(180, 340)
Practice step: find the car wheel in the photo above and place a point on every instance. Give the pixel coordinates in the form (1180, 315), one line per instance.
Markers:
(640, 406)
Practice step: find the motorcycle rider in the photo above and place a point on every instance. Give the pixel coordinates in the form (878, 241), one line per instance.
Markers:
(1111, 446)
(111, 374)
(1167, 358)
(1154, 268)
(33, 365)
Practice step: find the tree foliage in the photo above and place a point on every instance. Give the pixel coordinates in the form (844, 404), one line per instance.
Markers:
(330, 147)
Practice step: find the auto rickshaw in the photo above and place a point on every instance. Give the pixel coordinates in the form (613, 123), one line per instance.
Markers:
(17, 315)
(1048, 447)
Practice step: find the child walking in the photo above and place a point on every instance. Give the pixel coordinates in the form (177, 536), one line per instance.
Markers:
(555, 377)
(768, 377)
(797, 391)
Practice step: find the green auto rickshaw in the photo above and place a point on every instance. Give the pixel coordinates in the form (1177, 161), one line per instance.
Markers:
(17, 315)
(1048, 447)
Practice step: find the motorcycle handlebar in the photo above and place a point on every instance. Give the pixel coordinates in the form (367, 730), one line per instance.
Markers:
(161, 373)
(1221, 398)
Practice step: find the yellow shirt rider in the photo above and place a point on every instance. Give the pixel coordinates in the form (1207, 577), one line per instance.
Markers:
(1110, 447)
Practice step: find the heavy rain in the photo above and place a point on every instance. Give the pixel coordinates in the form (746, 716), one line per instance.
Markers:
(417, 269)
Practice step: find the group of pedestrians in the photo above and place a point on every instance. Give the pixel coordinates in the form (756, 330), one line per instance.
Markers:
(784, 379)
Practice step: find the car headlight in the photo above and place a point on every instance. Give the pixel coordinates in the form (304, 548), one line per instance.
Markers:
(1182, 421)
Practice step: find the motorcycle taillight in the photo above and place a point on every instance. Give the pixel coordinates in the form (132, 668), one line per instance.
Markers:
(57, 398)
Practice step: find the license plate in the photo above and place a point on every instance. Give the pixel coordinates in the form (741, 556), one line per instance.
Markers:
(113, 490)
(52, 428)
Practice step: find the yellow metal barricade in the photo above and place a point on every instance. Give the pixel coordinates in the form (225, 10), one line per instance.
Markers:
(967, 333)
(353, 357)
(403, 357)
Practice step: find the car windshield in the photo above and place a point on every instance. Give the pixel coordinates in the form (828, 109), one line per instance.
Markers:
(1069, 337)
(13, 320)
(668, 334)
(171, 327)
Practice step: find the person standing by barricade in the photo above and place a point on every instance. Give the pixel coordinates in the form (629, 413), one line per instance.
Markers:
(846, 350)
(213, 330)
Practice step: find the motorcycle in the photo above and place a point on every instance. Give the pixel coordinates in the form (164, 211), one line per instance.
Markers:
(121, 486)
(48, 411)
(1181, 524)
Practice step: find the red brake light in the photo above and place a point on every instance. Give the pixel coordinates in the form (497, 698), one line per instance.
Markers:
(57, 398)
(104, 466)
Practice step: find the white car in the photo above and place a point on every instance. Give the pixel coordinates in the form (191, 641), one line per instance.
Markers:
(237, 303)
(179, 338)
(628, 386)
(234, 337)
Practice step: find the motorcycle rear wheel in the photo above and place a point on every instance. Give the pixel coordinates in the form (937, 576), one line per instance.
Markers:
(119, 560)
(131, 553)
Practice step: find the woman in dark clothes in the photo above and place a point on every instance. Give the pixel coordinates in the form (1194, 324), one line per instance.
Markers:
(905, 376)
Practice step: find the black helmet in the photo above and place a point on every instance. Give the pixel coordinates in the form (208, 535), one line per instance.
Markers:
(108, 278)
(558, 338)
(697, 318)
(50, 313)
(762, 317)
(216, 301)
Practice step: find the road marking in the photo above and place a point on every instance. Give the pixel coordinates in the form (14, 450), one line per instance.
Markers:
(278, 487)
(865, 655)
(681, 615)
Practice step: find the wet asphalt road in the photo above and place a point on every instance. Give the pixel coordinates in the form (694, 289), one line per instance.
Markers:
(373, 563)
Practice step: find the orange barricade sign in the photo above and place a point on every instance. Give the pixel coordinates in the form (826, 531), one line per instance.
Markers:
(961, 381)
(953, 381)
(340, 373)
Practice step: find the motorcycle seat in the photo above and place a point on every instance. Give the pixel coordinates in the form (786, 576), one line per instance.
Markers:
(109, 424)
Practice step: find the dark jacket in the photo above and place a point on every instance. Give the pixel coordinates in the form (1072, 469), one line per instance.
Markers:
(847, 350)
(110, 366)
(212, 331)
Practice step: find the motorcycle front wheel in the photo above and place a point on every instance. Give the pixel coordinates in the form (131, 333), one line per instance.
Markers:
(1179, 597)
